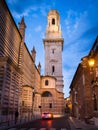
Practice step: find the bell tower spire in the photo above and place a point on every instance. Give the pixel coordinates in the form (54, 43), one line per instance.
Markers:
(53, 29)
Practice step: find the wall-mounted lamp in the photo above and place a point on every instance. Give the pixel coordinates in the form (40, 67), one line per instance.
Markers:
(91, 62)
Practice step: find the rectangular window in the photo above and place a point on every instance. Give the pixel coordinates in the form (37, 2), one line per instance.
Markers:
(52, 51)
(53, 21)
(46, 82)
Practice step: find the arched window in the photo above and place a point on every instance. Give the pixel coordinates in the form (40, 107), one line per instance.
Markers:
(53, 21)
(46, 94)
(53, 70)
(46, 82)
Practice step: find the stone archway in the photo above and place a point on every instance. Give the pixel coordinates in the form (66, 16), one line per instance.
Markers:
(46, 101)
(46, 94)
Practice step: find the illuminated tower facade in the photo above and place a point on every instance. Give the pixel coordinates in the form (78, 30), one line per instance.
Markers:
(53, 44)
(52, 82)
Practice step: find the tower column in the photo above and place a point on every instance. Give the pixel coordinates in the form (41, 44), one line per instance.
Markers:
(53, 43)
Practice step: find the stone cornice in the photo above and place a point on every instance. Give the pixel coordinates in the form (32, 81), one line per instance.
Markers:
(48, 76)
(61, 40)
(53, 40)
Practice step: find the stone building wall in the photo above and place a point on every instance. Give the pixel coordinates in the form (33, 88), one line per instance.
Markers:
(37, 94)
(28, 72)
(26, 109)
(51, 100)
(81, 93)
(57, 107)
(84, 86)
(17, 68)
(10, 40)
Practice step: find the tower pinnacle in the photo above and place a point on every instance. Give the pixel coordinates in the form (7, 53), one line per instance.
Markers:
(22, 27)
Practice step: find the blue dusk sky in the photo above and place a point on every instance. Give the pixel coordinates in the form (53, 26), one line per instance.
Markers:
(79, 24)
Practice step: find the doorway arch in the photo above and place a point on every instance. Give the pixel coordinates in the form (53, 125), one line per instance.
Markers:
(46, 94)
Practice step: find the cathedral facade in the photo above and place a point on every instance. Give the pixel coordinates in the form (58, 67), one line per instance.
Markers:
(52, 82)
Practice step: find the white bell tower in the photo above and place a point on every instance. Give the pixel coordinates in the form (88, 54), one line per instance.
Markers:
(53, 44)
